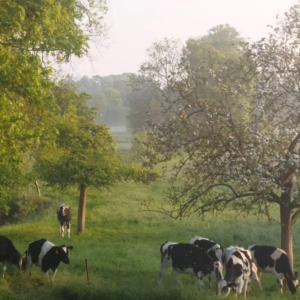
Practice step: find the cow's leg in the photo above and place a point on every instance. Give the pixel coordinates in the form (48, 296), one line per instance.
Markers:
(164, 265)
(246, 281)
(200, 279)
(257, 279)
(53, 276)
(4, 270)
(239, 288)
(177, 278)
(48, 276)
(209, 280)
(280, 282)
(29, 264)
(63, 230)
(69, 230)
(280, 279)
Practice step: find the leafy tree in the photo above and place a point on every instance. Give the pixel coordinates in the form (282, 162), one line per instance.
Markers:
(232, 122)
(84, 154)
(30, 32)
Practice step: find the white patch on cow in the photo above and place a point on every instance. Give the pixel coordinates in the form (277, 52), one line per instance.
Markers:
(65, 249)
(167, 245)
(219, 253)
(69, 231)
(197, 238)
(277, 253)
(236, 260)
(45, 248)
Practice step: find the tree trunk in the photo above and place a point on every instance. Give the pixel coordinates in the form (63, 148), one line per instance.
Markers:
(38, 188)
(82, 209)
(287, 224)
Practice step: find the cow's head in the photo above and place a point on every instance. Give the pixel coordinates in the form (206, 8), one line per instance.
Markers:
(216, 254)
(295, 279)
(62, 253)
(16, 258)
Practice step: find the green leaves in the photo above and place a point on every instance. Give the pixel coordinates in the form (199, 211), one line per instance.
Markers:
(84, 153)
(231, 116)
(30, 32)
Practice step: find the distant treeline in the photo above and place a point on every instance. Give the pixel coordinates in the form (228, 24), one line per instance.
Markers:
(122, 100)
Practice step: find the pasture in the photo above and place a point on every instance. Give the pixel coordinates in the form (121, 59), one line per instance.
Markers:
(121, 243)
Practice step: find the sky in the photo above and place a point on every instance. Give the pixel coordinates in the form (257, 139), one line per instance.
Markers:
(133, 25)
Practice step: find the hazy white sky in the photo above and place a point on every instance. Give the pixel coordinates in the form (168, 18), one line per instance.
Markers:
(133, 25)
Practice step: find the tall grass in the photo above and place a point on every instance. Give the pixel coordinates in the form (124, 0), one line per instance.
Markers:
(121, 245)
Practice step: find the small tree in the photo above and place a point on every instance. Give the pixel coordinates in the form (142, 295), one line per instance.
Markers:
(232, 122)
(84, 154)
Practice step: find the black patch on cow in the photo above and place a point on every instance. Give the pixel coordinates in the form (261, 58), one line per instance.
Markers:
(204, 244)
(34, 250)
(233, 271)
(262, 255)
(53, 257)
(282, 265)
(8, 252)
(207, 245)
(186, 256)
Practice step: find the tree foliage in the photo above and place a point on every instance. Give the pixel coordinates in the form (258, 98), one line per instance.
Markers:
(84, 153)
(232, 121)
(30, 32)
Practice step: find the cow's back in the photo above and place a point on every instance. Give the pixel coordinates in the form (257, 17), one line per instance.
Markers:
(7, 249)
(264, 256)
(186, 256)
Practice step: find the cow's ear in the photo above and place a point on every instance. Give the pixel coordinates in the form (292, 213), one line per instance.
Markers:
(70, 247)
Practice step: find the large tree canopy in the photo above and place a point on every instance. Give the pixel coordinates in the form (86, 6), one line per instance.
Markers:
(30, 32)
(232, 122)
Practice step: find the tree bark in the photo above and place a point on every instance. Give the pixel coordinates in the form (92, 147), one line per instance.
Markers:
(287, 224)
(82, 209)
(38, 188)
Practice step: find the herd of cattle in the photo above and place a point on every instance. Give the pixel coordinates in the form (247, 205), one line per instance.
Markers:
(42, 253)
(203, 257)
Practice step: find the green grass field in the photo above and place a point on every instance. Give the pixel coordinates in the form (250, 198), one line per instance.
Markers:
(121, 244)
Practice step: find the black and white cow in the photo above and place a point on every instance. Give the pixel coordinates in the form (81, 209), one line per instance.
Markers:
(64, 219)
(215, 252)
(239, 268)
(185, 258)
(48, 256)
(9, 254)
(274, 260)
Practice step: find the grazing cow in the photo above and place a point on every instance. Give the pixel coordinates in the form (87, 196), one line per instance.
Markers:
(64, 219)
(9, 254)
(48, 256)
(239, 267)
(185, 258)
(215, 252)
(274, 260)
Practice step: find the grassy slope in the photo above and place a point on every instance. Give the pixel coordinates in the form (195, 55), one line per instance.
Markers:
(121, 244)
